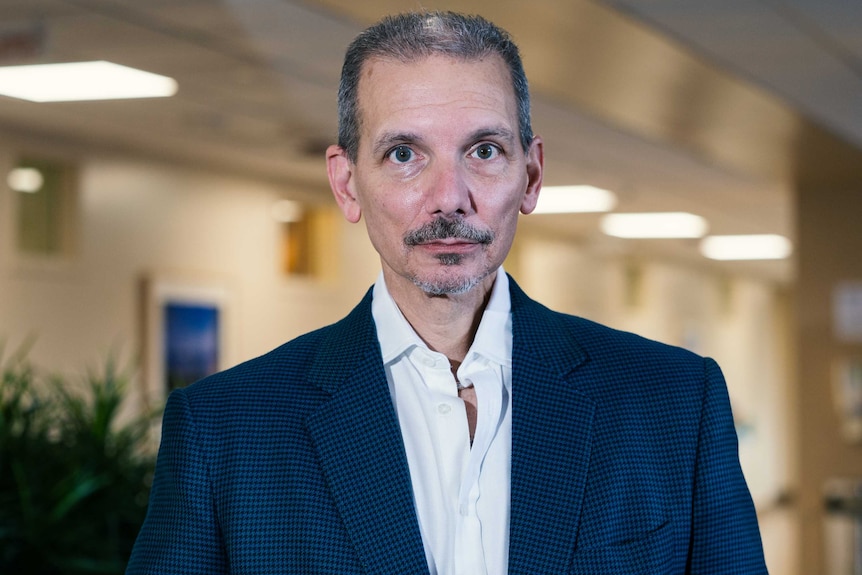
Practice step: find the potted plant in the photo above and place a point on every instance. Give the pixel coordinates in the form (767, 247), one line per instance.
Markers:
(74, 480)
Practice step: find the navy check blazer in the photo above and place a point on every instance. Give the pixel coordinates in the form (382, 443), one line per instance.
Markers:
(624, 461)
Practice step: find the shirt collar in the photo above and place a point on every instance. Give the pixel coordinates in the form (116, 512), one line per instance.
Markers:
(493, 338)
(394, 333)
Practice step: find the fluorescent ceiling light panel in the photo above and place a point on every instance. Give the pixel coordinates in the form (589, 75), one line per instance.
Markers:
(654, 225)
(78, 81)
(746, 247)
(574, 199)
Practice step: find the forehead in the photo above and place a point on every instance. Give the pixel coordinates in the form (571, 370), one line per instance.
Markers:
(391, 89)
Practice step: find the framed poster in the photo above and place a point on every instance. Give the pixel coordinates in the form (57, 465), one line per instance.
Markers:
(187, 333)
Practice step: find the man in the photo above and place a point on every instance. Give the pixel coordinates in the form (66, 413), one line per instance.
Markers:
(449, 424)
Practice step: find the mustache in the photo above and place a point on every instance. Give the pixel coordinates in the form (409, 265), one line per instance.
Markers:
(442, 228)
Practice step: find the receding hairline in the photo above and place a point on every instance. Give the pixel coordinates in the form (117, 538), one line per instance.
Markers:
(416, 58)
(410, 36)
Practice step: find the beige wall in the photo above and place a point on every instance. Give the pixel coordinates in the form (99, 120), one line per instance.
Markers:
(830, 254)
(139, 220)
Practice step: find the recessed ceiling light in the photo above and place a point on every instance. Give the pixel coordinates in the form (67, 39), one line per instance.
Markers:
(27, 180)
(654, 225)
(746, 247)
(78, 81)
(574, 199)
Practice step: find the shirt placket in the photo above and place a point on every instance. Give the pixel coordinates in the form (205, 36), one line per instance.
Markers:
(469, 545)
(447, 422)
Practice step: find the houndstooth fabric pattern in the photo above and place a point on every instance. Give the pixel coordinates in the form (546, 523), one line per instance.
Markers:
(624, 461)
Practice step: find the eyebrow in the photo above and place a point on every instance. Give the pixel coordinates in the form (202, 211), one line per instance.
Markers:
(389, 139)
(504, 134)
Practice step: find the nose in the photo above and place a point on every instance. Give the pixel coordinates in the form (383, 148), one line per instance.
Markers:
(448, 191)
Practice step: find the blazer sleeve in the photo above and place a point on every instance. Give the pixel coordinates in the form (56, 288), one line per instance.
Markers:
(725, 533)
(180, 535)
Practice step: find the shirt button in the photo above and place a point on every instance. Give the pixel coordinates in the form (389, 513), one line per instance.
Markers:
(428, 361)
(444, 408)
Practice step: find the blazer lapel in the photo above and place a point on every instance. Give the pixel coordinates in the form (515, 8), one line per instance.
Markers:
(358, 440)
(552, 426)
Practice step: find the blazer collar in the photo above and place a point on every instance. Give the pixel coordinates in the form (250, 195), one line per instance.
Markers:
(552, 426)
(360, 449)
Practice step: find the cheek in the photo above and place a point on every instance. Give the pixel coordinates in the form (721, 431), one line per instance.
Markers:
(505, 215)
(507, 203)
(397, 209)
(386, 222)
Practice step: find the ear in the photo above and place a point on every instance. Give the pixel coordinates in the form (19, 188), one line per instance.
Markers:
(339, 168)
(535, 169)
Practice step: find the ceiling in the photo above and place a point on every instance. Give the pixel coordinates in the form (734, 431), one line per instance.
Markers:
(690, 105)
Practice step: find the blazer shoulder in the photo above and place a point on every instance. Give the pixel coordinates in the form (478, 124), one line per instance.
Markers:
(538, 323)
(327, 350)
(601, 339)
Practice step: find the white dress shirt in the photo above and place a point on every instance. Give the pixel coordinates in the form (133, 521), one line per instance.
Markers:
(461, 494)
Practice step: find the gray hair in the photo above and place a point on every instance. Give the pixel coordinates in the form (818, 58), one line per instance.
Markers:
(411, 36)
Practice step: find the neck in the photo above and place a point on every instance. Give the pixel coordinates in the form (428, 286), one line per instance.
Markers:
(447, 324)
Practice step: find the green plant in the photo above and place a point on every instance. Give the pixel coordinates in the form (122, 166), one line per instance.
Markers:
(74, 480)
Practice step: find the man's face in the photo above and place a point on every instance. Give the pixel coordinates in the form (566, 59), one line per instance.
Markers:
(440, 173)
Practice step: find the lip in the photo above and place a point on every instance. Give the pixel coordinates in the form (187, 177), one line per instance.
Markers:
(452, 245)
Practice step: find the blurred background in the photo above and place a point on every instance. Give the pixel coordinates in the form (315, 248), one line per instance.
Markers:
(189, 227)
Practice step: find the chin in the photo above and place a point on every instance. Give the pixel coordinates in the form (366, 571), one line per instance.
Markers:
(448, 288)
(448, 283)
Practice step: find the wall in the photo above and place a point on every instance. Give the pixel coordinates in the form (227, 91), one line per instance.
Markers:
(138, 220)
(829, 254)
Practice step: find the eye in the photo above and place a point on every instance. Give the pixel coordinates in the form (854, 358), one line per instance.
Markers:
(485, 151)
(400, 154)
